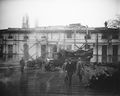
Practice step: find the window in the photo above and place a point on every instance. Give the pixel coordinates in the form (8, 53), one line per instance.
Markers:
(43, 51)
(10, 36)
(115, 36)
(87, 36)
(25, 37)
(1, 37)
(115, 53)
(43, 37)
(0, 41)
(10, 51)
(104, 36)
(69, 34)
(1, 50)
(55, 48)
(104, 53)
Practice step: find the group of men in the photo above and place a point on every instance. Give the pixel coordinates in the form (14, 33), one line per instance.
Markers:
(71, 67)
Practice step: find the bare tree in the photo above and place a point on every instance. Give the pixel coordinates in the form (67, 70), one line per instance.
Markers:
(114, 23)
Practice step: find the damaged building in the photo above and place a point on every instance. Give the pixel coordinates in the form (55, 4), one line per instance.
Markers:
(47, 41)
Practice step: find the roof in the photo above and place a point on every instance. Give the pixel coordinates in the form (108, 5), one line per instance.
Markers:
(107, 30)
(58, 29)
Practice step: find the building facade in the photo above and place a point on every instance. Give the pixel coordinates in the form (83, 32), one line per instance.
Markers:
(47, 41)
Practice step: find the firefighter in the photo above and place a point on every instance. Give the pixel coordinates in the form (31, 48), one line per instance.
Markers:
(22, 64)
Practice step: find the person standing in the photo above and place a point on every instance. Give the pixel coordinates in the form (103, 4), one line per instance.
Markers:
(22, 64)
(70, 70)
(79, 69)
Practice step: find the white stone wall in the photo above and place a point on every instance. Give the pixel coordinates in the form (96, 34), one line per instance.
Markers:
(59, 38)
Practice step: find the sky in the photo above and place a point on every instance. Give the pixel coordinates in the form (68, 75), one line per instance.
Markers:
(57, 12)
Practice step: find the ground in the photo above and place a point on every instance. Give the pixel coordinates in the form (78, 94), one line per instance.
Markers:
(34, 82)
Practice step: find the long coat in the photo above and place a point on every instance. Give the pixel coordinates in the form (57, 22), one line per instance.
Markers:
(79, 68)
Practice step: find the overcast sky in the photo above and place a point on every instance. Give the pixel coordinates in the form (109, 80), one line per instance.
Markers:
(57, 12)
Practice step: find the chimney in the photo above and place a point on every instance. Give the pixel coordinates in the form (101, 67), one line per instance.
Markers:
(25, 21)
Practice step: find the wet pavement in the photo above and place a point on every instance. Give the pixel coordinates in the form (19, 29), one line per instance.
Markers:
(34, 82)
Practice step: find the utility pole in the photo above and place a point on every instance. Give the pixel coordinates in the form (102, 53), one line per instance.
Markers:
(97, 48)
(74, 38)
(58, 42)
(37, 48)
(86, 36)
(64, 40)
(47, 46)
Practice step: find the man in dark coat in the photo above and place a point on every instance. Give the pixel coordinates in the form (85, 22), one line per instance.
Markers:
(70, 69)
